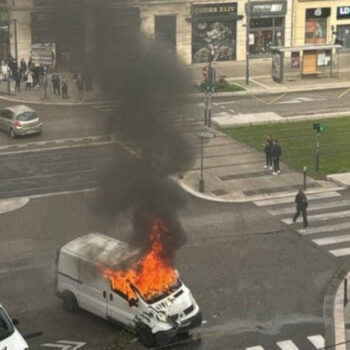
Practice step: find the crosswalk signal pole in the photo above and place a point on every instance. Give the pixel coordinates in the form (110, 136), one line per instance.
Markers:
(317, 167)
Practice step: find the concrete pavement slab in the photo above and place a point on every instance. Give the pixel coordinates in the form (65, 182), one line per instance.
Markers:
(340, 179)
(228, 120)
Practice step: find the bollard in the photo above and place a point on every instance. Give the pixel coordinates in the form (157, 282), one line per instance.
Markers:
(345, 291)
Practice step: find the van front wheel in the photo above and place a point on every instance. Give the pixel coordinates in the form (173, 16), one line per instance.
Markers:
(70, 301)
(146, 337)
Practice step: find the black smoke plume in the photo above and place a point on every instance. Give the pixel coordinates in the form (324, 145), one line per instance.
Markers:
(149, 84)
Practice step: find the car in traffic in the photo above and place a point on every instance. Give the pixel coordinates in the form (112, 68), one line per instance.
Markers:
(81, 284)
(10, 338)
(20, 120)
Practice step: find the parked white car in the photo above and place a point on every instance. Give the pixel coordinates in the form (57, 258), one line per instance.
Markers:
(20, 120)
(10, 338)
(81, 284)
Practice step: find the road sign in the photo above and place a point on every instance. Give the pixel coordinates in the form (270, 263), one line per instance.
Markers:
(65, 345)
(205, 72)
(206, 135)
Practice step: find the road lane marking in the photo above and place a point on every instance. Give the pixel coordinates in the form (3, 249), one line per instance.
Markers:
(277, 98)
(332, 240)
(65, 345)
(290, 199)
(343, 94)
(313, 207)
(302, 100)
(259, 99)
(317, 341)
(224, 103)
(322, 217)
(287, 345)
(9, 205)
(55, 148)
(340, 252)
(255, 348)
(327, 228)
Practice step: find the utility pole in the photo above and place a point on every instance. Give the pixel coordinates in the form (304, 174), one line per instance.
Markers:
(319, 128)
(16, 38)
(209, 86)
(247, 73)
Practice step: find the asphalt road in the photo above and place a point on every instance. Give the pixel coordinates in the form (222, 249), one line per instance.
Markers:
(69, 122)
(256, 280)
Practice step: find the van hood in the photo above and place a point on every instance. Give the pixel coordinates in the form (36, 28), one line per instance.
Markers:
(14, 342)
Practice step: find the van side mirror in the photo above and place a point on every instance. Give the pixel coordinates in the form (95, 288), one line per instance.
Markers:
(15, 322)
(133, 302)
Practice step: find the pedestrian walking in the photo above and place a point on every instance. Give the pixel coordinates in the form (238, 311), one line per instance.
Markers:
(56, 82)
(18, 81)
(268, 152)
(80, 87)
(64, 88)
(22, 68)
(301, 202)
(276, 154)
(29, 82)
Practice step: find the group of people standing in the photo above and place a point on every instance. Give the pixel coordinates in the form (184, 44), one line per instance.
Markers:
(30, 74)
(273, 152)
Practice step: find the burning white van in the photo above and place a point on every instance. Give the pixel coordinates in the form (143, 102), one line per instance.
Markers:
(85, 280)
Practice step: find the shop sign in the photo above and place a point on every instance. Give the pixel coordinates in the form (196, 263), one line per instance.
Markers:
(43, 53)
(268, 8)
(343, 12)
(318, 12)
(221, 9)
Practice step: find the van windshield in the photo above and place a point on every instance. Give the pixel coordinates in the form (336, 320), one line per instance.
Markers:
(27, 116)
(6, 328)
(163, 295)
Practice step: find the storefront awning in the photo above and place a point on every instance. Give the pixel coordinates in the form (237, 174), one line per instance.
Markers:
(306, 47)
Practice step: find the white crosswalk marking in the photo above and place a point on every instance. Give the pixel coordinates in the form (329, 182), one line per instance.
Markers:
(287, 345)
(313, 207)
(325, 228)
(323, 217)
(283, 200)
(255, 348)
(317, 341)
(340, 252)
(332, 240)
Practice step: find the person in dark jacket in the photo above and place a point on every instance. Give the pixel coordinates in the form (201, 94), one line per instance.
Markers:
(268, 149)
(276, 154)
(56, 83)
(301, 202)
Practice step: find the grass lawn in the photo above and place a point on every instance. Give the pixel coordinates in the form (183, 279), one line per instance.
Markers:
(298, 142)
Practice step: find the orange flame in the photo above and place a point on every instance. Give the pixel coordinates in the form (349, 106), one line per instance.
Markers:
(152, 274)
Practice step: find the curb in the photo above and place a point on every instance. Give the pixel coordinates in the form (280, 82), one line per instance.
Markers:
(197, 194)
(274, 91)
(282, 120)
(21, 100)
(333, 311)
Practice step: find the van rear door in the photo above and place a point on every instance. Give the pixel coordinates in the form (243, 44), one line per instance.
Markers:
(92, 294)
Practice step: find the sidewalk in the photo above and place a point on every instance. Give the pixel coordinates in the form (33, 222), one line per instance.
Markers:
(37, 94)
(234, 172)
(261, 81)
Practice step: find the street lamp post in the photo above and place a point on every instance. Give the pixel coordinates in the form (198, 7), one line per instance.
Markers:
(203, 135)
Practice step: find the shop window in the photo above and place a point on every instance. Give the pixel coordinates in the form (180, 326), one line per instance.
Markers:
(265, 33)
(261, 22)
(316, 31)
(220, 34)
(343, 35)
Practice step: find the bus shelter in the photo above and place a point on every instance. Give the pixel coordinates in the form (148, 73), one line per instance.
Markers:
(305, 61)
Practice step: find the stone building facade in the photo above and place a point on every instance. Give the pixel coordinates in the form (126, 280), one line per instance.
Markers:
(187, 27)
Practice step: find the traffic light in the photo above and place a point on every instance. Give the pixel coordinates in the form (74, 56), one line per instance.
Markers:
(210, 81)
(318, 127)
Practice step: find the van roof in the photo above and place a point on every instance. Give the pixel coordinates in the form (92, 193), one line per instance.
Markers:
(99, 248)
